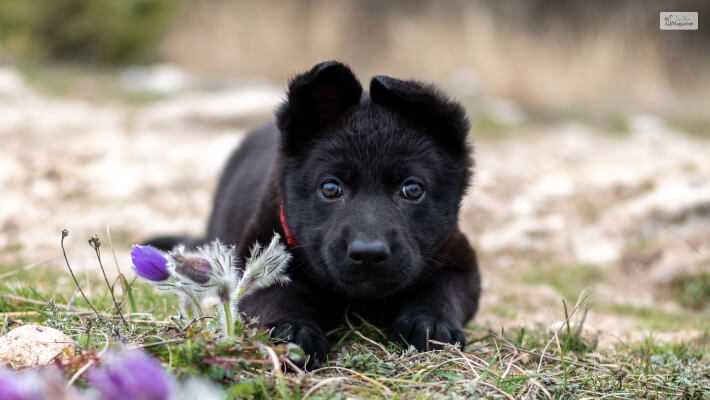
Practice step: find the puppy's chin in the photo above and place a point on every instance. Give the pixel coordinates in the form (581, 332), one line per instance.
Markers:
(366, 290)
(367, 285)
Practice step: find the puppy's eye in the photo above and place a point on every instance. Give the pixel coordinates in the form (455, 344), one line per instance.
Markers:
(412, 191)
(331, 189)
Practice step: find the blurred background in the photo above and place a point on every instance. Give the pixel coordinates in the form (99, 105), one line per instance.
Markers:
(591, 127)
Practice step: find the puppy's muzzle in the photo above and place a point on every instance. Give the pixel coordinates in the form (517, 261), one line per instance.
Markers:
(368, 253)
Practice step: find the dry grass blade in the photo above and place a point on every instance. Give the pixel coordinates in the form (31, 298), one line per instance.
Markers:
(274, 359)
(23, 269)
(14, 297)
(363, 337)
(14, 314)
(91, 362)
(497, 389)
(113, 250)
(322, 383)
(353, 373)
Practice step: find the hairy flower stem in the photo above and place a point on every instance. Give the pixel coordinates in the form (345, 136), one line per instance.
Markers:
(65, 233)
(228, 318)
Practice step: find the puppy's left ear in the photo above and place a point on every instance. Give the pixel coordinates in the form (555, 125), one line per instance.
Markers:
(316, 99)
(444, 118)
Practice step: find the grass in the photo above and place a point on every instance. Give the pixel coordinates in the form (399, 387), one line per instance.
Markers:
(692, 291)
(484, 127)
(72, 80)
(521, 362)
(568, 281)
(89, 31)
(654, 319)
(695, 127)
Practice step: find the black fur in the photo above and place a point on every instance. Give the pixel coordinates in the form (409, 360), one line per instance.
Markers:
(422, 282)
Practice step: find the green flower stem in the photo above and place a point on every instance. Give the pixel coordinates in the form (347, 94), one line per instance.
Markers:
(198, 307)
(228, 318)
(188, 310)
(128, 289)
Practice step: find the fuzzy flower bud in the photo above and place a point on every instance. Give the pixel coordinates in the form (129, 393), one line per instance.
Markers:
(223, 260)
(266, 267)
(196, 269)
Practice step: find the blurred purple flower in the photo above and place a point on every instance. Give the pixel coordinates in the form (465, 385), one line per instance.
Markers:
(149, 263)
(12, 387)
(131, 375)
(35, 384)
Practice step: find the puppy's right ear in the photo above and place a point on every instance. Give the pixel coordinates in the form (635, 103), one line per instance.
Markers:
(316, 99)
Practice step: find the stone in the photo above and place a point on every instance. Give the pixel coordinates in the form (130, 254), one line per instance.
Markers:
(595, 246)
(34, 345)
(11, 83)
(160, 79)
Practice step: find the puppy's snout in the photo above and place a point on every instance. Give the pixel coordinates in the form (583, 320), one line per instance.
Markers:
(368, 252)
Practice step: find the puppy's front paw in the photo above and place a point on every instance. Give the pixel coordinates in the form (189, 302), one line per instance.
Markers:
(307, 336)
(417, 328)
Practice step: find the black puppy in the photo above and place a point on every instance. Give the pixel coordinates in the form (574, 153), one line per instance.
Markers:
(365, 189)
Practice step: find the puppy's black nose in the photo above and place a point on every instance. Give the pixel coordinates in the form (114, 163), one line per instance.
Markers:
(373, 252)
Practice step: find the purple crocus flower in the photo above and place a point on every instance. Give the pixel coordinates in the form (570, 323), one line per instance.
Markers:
(149, 263)
(131, 375)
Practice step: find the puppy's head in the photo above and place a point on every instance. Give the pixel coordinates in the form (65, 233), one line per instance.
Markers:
(371, 183)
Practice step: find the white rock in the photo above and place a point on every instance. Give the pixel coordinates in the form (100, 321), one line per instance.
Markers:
(33, 345)
(673, 198)
(11, 120)
(505, 112)
(592, 246)
(11, 83)
(526, 233)
(160, 78)
(10, 170)
(44, 188)
(647, 126)
(221, 107)
(523, 206)
(552, 186)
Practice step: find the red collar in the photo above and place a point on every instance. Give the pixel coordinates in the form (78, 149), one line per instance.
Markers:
(289, 235)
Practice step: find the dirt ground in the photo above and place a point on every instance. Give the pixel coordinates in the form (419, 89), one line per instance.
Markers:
(554, 209)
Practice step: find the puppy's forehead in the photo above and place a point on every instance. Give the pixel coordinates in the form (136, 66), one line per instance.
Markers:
(371, 131)
(372, 115)
(376, 141)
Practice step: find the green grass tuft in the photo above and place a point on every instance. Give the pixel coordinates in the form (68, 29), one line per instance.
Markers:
(531, 362)
(568, 280)
(692, 291)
